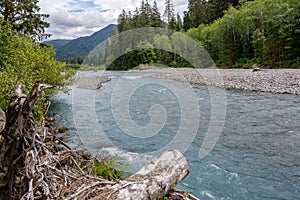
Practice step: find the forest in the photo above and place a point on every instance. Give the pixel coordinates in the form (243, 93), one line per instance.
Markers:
(239, 34)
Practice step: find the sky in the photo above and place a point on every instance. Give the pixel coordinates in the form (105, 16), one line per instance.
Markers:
(70, 19)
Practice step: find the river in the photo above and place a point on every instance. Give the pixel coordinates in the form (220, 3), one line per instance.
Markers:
(256, 155)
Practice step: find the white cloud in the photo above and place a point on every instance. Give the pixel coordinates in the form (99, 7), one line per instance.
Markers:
(70, 19)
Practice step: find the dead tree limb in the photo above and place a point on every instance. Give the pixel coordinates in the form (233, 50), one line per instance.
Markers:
(18, 145)
(2, 120)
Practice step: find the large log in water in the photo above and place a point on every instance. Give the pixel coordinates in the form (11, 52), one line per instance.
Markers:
(154, 180)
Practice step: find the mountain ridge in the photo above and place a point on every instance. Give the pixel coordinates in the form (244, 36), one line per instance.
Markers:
(74, 51)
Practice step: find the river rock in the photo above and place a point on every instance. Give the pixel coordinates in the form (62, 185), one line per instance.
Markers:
(63, 129)
(51, 119)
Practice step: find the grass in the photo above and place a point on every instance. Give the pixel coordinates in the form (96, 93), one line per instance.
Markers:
(110, 168)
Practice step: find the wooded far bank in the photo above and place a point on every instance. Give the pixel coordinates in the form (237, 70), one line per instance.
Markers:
(248, 33)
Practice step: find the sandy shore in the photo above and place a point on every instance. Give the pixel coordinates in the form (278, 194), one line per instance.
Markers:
(283, 81)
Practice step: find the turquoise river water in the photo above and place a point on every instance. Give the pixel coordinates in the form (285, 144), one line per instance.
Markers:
(256, 155)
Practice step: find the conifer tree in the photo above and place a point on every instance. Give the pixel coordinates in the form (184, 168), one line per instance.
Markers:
(156, 18)
(179, 24)
(169, 11)
(24, 17)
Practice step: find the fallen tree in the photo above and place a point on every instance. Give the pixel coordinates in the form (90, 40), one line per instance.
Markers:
(35, 164)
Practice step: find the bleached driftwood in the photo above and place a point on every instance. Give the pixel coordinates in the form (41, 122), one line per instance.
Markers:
(153, 181)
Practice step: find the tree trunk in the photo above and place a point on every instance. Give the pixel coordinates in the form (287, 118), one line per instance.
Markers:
(153, 181)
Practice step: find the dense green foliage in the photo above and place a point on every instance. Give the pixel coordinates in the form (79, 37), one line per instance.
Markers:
(24, 61)
(24, 17)
(106, 168)
(144, 47)
(205, 12)
(261, 31)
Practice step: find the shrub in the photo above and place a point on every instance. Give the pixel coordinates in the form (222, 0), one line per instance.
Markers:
(24, 61)
(106, 168)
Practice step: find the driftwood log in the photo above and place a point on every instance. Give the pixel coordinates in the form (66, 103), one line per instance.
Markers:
(153, 181)
(34, 164)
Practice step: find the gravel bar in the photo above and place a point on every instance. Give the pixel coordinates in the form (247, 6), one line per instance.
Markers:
(282, 81)
(92, 83)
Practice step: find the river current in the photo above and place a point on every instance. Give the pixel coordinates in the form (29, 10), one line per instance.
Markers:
(256, 155)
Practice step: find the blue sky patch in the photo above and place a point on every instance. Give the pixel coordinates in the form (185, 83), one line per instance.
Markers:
(77, 4)
(102, 10)
(76, 11)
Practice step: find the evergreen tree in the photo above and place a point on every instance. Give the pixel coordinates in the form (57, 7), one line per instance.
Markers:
(125, 21)
(169, 11)
(179, 24)
(147, 11)
(121, 20)
(135, 18)
(216, 8)
(155, 16)
(206, 11)
(25, 18)
(197, 12)
(186, 21)
(172, 24)
(143, 15)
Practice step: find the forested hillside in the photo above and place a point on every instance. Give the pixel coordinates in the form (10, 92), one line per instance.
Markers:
(57, 43)
(235, 33)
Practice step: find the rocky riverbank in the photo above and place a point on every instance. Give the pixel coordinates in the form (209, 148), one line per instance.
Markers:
(282, 81)
(91, 83)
